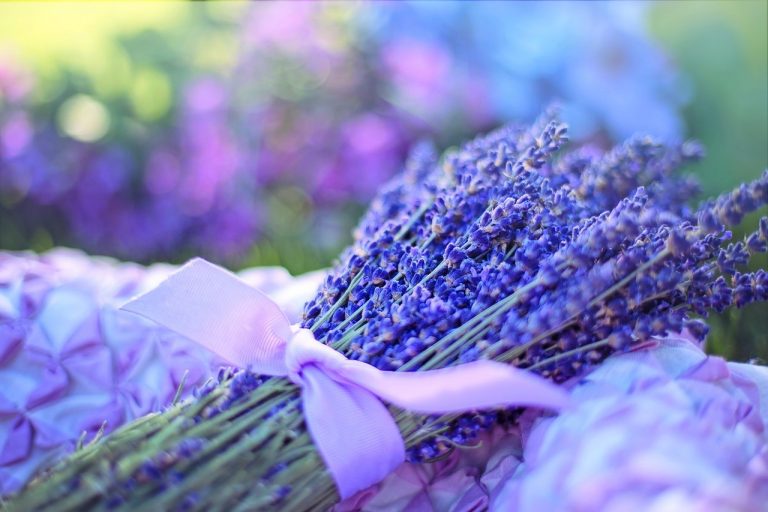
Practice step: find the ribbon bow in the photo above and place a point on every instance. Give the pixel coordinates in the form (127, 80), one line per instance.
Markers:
(352, 429)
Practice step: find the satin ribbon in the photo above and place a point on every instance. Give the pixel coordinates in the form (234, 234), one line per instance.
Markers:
(351, 427)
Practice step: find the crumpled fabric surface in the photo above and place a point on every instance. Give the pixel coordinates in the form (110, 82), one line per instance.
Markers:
(70, 361)
(666, 428)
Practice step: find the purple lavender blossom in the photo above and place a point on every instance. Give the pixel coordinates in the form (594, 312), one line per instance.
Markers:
(506, 250)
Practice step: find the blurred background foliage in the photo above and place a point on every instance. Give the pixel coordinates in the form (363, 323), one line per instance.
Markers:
(254, 134)
(722, 47)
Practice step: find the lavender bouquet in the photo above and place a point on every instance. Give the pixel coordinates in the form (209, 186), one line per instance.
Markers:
(500, 250)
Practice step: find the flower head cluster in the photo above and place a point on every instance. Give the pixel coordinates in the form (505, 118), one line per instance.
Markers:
(507, 250)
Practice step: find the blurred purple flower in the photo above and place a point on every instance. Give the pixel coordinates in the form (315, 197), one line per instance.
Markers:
(322, 98)
(421, 73)
(596, 57)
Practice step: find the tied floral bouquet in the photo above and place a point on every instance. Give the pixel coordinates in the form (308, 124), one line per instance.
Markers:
(504, 250)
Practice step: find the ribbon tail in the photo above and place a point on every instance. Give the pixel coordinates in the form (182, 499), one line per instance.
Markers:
(214, 308)
(352, 430)
(477, 385)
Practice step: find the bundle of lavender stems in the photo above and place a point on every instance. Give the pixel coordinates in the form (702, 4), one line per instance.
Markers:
(506, 249)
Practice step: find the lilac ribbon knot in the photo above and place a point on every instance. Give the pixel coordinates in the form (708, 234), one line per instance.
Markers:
(351, 427)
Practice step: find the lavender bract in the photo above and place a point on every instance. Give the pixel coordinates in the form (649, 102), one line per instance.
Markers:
(503, 249)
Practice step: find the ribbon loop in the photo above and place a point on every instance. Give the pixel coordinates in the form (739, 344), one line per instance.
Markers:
(214, 308)
(351, 427)
(303, 349)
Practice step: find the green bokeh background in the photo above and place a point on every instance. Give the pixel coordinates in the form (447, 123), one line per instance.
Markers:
(722, 47)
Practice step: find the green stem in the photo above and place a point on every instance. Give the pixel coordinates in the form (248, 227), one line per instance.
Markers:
(569, 353)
